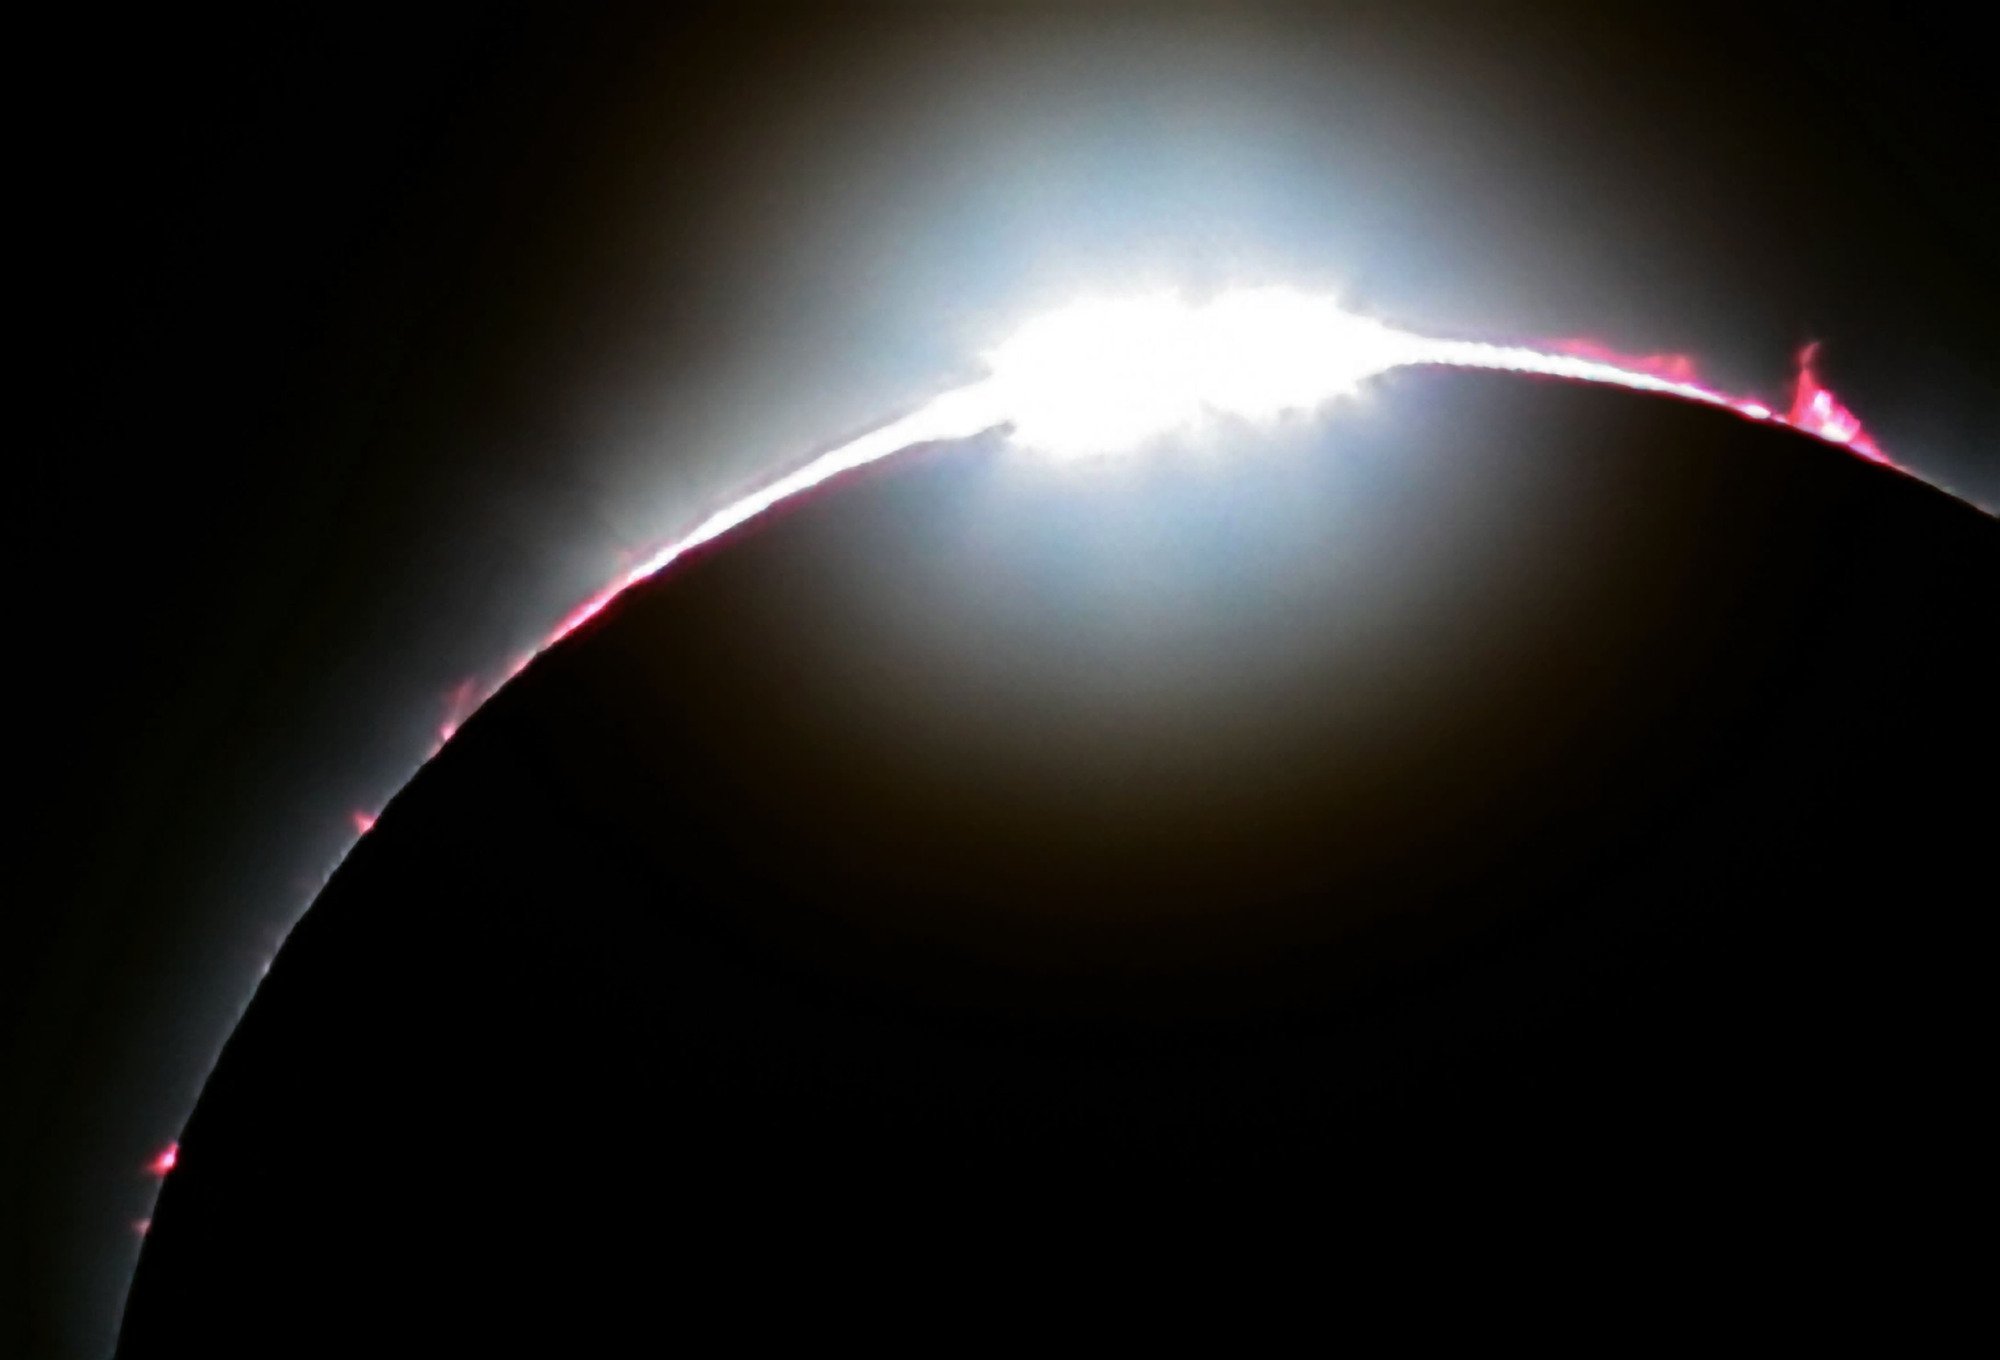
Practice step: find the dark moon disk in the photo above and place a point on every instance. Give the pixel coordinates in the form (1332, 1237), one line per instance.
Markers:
(1496, 783)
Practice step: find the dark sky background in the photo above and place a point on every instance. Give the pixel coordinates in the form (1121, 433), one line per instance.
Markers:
(373, 342)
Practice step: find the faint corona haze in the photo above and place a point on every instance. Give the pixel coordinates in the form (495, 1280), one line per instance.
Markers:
(1110, 376)
(1115, 375)
(1106, 376)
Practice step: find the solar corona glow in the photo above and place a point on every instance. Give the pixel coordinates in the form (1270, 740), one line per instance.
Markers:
(1106, 377)
(1114, 376)
(1111, 376)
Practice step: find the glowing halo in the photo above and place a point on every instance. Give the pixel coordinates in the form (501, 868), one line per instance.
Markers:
(1107, 376)
(1104, 376)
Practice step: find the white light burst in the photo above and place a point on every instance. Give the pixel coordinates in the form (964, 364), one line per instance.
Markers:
(1110, 376)
(1114, 375)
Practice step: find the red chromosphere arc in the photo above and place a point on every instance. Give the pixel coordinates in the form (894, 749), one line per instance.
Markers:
(1018, 396)
(1105, 375)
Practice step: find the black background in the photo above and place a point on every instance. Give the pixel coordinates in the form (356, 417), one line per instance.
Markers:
(366, 343)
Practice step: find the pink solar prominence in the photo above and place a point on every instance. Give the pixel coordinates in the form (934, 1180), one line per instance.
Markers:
(1108, 376)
